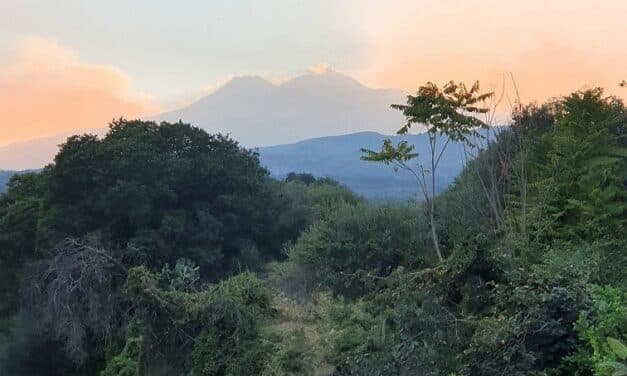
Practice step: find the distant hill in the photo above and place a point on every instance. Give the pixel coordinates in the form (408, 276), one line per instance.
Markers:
(4, 179)
(338, 157)
(35, 154)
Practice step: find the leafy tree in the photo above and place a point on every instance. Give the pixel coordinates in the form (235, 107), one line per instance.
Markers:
(447, 114)
(581, 165)
(19, 211)
(157, 193)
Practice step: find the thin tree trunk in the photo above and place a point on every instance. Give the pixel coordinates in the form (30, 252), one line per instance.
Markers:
(434, 234)
(523, 192)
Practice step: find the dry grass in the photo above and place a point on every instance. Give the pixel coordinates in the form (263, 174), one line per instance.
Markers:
(298, 315)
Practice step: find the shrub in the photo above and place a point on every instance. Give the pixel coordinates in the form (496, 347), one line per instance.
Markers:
(126, 363)
(403, 328)
(357, 245)
(600, 329)
(530, 329)
(295, 206)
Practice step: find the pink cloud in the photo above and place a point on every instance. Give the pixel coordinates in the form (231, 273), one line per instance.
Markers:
(45, 89)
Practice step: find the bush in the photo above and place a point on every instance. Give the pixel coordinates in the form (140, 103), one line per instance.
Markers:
(213, 330)
(345, 327)
(354, 247)
(295, 206)
(127, 362)
(404, 328)
(598, 328)
(530, 329)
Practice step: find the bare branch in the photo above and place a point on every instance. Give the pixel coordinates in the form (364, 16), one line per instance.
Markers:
(74, 292)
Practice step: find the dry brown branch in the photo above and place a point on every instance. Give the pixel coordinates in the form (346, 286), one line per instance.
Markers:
(75, 293)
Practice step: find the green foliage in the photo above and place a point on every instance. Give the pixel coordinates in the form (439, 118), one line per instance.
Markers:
(19, 209)
(448, 113)
(390, 154)
(345, 328)
(602, 331)
(582, 170)
(616, 368)
(445, 112)
(185, 276)
(26, 351)
(127, 362)
(158, 192)
(304, 178)
(463, 210)
(234, 341)
(223, 320)
(296, 205)
(530, 329)
(415, 324)
(356, 246)
(617, 348)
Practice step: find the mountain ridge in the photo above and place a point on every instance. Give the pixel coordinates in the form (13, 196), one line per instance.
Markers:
(259, 113)
(339, 158)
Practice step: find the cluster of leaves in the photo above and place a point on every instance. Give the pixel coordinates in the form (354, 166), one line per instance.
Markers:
(299, 202)
(582, 169)
(602, 333)
(530, 327)
(351, 250)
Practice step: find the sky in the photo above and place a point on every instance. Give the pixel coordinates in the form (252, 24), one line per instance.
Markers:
(75, 64)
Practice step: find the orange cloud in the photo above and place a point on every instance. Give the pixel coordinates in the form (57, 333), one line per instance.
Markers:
(551, 48)
(320, 68)
(45, 90)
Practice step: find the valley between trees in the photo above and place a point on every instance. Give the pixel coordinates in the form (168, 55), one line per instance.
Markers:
(160, 249)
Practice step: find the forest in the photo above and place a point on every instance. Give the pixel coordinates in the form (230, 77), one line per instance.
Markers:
(160, 249)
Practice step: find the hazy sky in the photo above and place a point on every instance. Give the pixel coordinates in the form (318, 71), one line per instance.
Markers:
(64, 63)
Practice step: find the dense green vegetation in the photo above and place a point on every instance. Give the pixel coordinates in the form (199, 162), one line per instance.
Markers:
(162, 250)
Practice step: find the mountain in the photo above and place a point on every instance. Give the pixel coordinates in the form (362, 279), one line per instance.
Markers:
(35, 154)
(258, 113)
(338, 157)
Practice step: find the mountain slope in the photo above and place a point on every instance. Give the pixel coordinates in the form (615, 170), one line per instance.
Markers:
(259, 113)
(35, 154)
(5, 176)
(338, 157)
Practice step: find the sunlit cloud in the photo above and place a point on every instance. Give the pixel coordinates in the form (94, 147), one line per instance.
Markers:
(320, 68)
(45, 89)
(550, 48)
